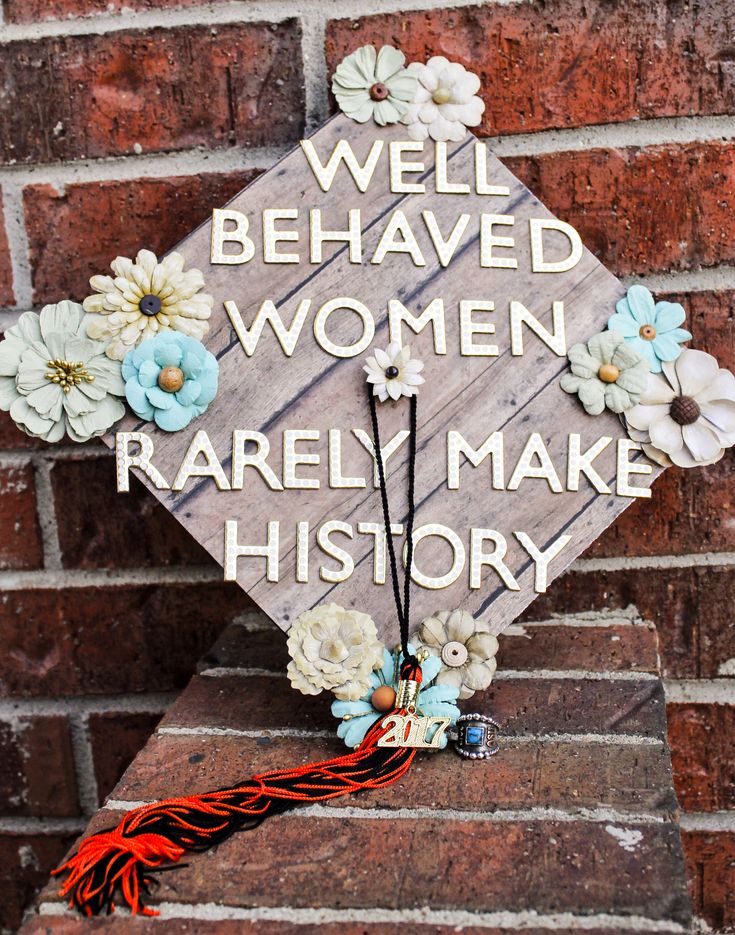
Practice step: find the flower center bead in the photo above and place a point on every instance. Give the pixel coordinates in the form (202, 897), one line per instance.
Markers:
(442, 96)
(150, 305)
(171, 379)
(608, 373)
(647, 332)
(391, 372)
(454, 654)
(67, 374)
(383, 698)
(379, 92)
(685, 410)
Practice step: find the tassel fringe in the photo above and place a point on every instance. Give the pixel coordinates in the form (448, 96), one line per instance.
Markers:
(155, 837)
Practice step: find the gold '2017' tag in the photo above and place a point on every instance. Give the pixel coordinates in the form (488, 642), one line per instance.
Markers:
(408, 730)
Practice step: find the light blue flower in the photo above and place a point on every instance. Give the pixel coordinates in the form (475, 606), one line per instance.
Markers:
(170, 379)
(433, 701)
(651, 328)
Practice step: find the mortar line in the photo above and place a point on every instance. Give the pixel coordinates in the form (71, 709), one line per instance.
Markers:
(313, 36)
(46, 510)
(700, 691)
(12, 709)
(84, 771)
(630, 563)
(708, 821)
(9, 825)
(17, 236)
(500, 675)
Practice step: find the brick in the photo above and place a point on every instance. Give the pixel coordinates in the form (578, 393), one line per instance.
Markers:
(702, 740)
(20, 543)
(155, 213)
(485, 866)
(710, 858)
(144, 534)
(692, 607)
(116, 738)
(603, 648)
(632, 207)
(37, 768)
(26, 861)
(32, 11)
(11, 436)
(106, 640)
(567, 64)
(7, 296)
(151, 90)
(522, 706)
(525, 774)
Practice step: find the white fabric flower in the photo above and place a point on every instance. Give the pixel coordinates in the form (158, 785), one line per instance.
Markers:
(54, 379)
(393, 373)
(333, 648)
(446, 101)
(369, 84)
(146, 297)
(465, 646)
(687, 414)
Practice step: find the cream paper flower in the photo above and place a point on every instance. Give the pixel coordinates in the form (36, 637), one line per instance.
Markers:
(445, 103)
(369, 84)
(606, 372)
(465, 646)
(333, 648)
(687, 414)
(146, 297)
(393, 373)
(54, 379)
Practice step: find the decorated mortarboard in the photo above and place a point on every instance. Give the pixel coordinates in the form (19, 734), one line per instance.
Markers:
(400, 399)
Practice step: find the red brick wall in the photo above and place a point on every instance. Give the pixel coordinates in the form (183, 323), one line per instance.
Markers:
(123, 129)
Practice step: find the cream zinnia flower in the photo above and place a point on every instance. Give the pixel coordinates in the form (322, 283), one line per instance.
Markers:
(373, 84)
(687, 413)
(446, 101)
(393, 373)
(146, 297)
(465, 646)
(333, 648)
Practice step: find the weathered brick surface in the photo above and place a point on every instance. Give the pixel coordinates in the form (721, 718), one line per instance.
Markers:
(116, 738)
(522, 706)
(528, 774)
(11, 436)
(149, 90)
(6, 273)
(20, 542)
(144, 534)
(77, 232)
(25, 863)
(692, 607)
(710, 860)
(31, 11)
(566, 64)
(633, 207)
(702, 739)
(37, 768)
(106, 640)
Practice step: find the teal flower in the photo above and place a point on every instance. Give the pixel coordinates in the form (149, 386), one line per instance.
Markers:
(170, 379)
(433, 701)
(651, 328)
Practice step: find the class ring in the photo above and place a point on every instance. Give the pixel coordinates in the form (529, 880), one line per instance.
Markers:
(477, 736)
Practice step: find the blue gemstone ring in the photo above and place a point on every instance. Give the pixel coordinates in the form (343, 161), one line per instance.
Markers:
(477, 736)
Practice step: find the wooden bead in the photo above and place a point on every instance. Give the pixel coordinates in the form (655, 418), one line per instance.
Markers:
(383, 698)
(647, 332)
(608, 373)
(171, 379)
(442, 96)
(379, 92)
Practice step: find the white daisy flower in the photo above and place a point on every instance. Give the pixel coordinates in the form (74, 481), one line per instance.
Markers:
(393, 373)
(143, 298)
(445, 103)
(369, 84)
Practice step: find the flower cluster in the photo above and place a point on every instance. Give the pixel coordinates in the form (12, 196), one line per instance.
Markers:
(437, 100)
(675, 401)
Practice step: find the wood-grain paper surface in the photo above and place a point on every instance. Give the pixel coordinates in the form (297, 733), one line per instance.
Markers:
(476, 396)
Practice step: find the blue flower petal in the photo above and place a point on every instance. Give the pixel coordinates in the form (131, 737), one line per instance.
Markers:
(137, 400)
(173, 419)
(624, 324)
(144, 351)
(167, 353)
(340, 708)
(386, 672)
(148, 373)
(128, 368)
(189, 393)
(647, 352)
(669, 315)
(440, 709)
(639, 304)
(355, 730)
(679, 334)
(430, 669)
(448, 693)
(192, 365)
(160, 398)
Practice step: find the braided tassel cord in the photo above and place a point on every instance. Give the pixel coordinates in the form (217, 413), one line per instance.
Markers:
(155, 837)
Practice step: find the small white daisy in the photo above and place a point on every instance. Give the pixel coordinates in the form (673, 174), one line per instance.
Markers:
(393, 373)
